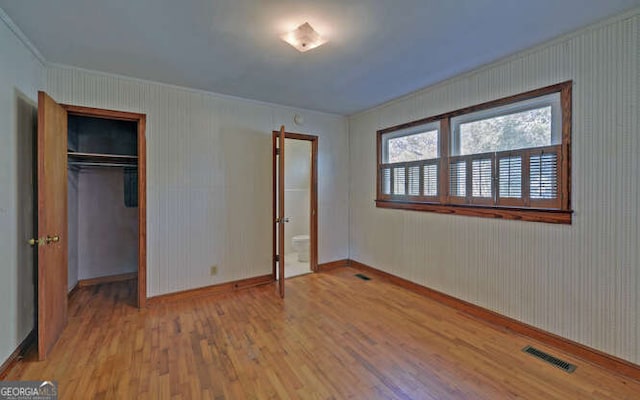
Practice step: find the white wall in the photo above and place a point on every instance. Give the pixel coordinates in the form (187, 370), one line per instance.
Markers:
(103, 233)
(209, 176)
(21, 75)
(107, 229)
(297, 189)
(580, 281)
(73, 183)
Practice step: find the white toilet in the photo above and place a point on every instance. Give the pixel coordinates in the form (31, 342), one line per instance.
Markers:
(300, 244)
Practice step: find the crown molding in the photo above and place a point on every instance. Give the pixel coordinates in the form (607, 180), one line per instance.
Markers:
(21, 36)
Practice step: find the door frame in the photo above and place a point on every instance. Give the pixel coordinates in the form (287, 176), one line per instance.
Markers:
(141, 120)
(313, 206)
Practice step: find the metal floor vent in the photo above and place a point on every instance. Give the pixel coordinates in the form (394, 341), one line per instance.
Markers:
(363, 277)
(556, 362)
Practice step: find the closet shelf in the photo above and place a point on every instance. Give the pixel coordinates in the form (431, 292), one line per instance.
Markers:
(98, 158)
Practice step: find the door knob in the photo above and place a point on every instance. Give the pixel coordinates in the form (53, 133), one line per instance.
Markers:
(38, 241)
(54, 239)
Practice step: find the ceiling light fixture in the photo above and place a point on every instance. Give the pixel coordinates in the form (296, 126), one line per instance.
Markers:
(304, 38)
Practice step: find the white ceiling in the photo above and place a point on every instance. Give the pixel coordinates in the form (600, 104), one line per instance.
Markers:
(377, 50)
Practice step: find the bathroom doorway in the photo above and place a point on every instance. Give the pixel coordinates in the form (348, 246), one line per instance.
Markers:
(300, 204)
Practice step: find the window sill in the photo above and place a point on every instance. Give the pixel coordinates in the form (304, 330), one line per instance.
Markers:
(514, 213)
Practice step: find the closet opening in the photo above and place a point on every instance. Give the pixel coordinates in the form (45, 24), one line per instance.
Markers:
(105, 202)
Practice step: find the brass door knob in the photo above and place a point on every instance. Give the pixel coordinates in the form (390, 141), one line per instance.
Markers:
(54, 239)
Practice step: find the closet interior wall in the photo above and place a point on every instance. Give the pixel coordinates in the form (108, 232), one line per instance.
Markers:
(73, 177)
(103, 214)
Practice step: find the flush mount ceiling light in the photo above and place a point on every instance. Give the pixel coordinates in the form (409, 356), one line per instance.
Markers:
(304, 38)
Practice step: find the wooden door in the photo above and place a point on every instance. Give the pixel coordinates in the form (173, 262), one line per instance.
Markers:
(278, 208)
(281, 218)
(52, 222)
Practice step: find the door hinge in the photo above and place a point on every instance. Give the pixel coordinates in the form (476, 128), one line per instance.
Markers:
(276, 258)
(277, 152)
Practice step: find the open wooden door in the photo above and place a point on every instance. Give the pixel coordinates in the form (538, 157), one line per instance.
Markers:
(281, 218)
(278, 208)
(52, 223)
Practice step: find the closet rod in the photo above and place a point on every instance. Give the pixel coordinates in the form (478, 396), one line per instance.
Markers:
(101, 164)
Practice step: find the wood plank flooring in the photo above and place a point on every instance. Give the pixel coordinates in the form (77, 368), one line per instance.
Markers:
(334, 337)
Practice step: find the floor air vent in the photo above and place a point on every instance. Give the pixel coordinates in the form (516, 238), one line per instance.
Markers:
(556, 362)
(363, 277)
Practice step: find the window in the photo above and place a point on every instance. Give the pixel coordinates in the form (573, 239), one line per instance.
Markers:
(508, 158)
(410, 162)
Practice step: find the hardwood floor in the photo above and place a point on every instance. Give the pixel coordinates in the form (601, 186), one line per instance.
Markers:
(334, 336)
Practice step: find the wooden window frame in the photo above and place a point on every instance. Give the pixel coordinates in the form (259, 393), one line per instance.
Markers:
(525, 209)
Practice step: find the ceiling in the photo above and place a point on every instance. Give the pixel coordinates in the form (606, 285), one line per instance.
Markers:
(377, 50)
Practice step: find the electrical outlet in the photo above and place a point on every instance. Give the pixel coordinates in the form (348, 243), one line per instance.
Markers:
(214, 270)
